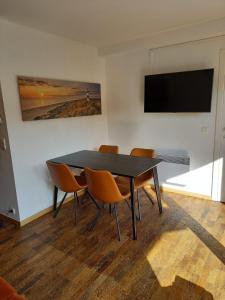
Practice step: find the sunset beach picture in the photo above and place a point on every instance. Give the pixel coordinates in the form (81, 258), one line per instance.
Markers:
(49, 99)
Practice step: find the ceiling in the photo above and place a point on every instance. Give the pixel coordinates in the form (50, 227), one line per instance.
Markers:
(103, 23)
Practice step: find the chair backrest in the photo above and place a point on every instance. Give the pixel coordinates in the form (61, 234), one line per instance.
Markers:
(142, 152)
(102, 186)
(63, 177)
(109, 149)
(150, 153)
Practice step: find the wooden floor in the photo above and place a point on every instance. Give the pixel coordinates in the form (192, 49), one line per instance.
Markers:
(178, 255)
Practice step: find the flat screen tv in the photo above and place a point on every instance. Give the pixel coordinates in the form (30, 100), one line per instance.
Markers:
(189, 91)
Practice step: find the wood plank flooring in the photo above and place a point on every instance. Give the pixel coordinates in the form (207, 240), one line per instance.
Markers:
(178, 255)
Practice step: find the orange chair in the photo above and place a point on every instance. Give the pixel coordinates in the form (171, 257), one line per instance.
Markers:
(103, 188)
(64, 179)
(105, 149)
(108, 149)
(7, 292)
(142, 180)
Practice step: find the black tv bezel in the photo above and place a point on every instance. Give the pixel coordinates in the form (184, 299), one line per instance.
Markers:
(174, 111)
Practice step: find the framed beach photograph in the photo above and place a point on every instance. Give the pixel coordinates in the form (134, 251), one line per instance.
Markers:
(50, 99)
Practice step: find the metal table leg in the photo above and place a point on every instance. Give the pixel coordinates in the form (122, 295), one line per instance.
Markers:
(139, 205)
(133, 209)
(157, 189)
(55, 196)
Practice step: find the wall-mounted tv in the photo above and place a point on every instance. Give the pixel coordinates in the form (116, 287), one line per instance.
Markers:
(189, 91)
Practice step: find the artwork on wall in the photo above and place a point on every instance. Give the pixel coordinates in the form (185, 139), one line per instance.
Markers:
(49, 99)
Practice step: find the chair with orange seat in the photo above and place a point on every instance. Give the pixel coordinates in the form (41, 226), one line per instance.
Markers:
(109, 149)
(103, 188)
(105, 149)
(64, 179)
(141, 180)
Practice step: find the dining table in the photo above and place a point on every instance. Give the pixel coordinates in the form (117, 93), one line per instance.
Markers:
(118, 164)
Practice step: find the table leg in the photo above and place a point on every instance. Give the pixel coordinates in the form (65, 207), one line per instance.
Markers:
(133, 209)
(157, 189)
(55, 196)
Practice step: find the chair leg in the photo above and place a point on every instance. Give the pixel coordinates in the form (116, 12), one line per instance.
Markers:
(117, 221)
(75, 207)
(128, 204)
(83, 197)
(94, 201)
(139, 204)
(60, 204)
(93, 223)
(148, 196)
(78, 199)
(110, 208)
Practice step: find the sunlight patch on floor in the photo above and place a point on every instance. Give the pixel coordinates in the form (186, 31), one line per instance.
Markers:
(181, 253)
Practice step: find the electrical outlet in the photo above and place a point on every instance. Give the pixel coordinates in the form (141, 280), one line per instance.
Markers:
(12, 210)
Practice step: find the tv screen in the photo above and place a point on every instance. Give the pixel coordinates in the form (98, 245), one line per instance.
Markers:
(189, 91)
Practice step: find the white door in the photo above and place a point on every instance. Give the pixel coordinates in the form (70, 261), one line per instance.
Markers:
(218, 190)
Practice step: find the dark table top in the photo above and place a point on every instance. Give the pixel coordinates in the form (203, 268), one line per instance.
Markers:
(117, 164)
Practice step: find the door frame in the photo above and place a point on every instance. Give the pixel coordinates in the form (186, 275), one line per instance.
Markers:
(219, 132)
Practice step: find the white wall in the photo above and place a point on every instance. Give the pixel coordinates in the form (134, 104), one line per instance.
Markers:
(8, 199)
(194, 133)
(29, 52)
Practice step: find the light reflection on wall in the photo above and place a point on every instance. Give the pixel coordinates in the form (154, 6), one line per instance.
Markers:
(201, 180)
